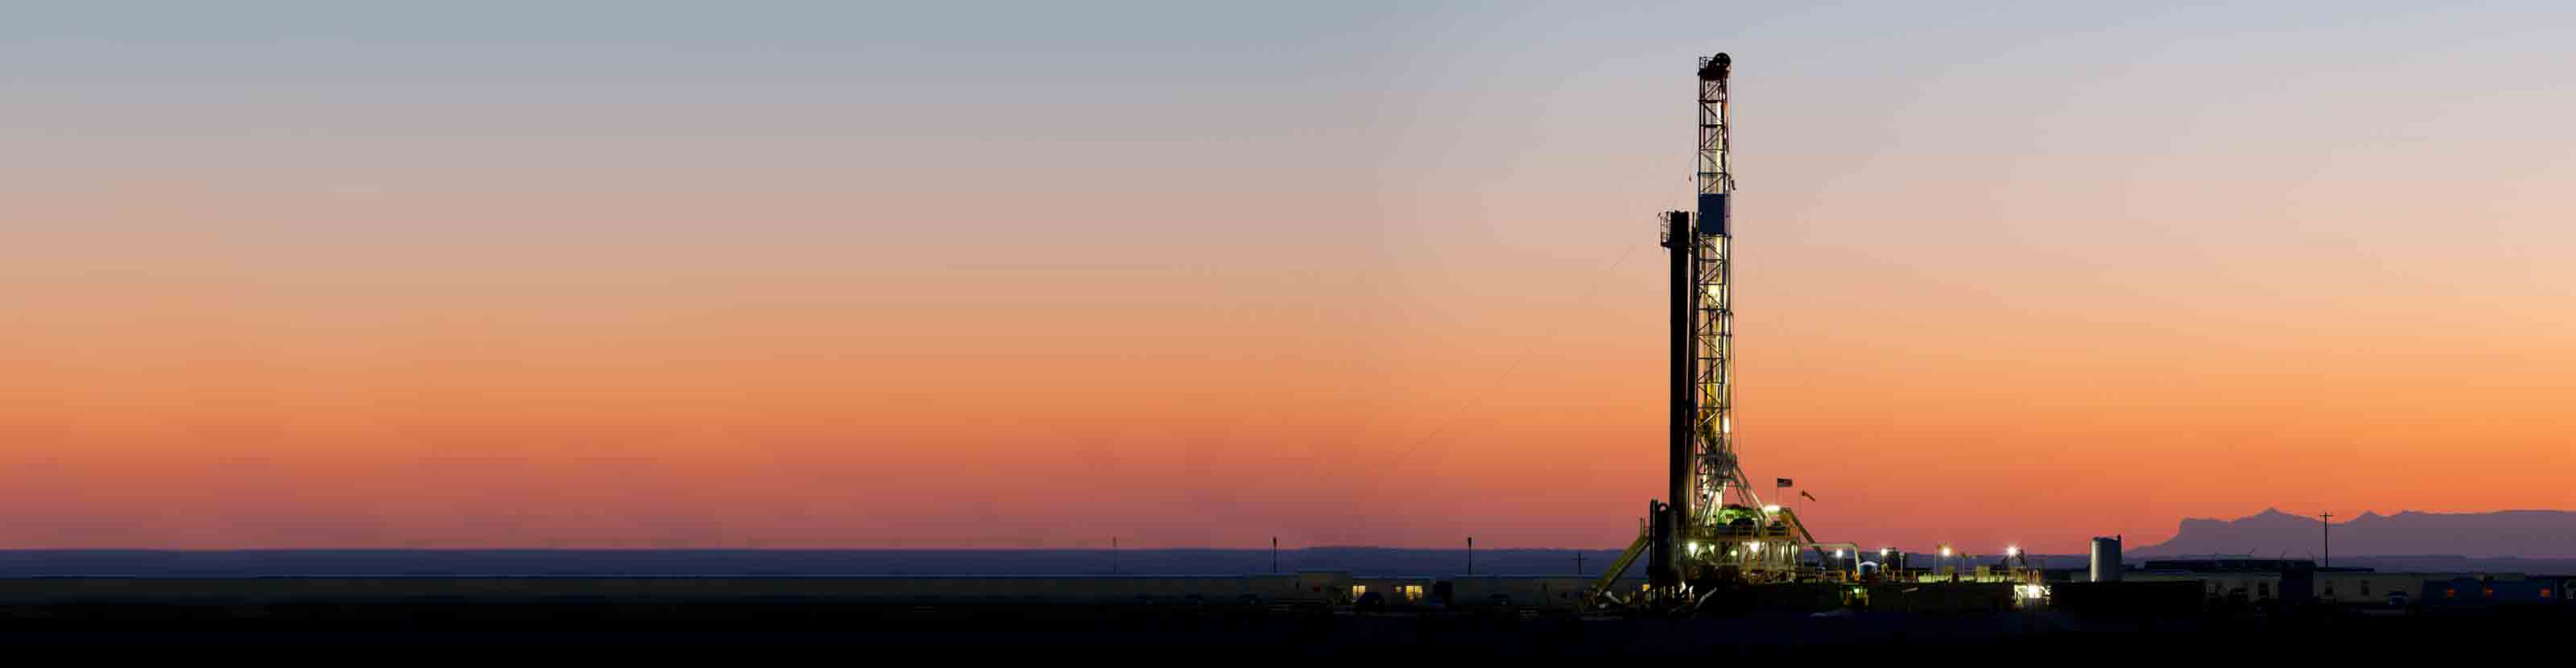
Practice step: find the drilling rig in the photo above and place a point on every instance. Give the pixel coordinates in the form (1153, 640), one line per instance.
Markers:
(1712, 531)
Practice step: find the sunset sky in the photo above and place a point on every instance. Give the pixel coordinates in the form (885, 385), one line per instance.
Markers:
(867, 275)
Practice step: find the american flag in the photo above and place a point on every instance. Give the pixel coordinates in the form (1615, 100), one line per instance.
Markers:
(1784, 482)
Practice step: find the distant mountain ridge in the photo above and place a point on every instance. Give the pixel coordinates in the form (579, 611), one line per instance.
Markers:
(2272, 533)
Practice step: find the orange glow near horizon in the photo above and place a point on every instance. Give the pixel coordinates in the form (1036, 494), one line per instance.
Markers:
(761, 414)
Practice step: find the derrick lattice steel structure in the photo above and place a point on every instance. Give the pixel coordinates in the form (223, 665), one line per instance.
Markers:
(1714, 470)
(1712, 530)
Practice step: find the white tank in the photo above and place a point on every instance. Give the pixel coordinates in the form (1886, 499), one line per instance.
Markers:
(2106, 559)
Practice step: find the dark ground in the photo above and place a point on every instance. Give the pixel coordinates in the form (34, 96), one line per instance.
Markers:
(2050, 637)
(1269, 633)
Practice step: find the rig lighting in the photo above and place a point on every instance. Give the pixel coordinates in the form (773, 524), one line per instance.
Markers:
(1757, 547)
(1770, 509)
(1945, 550)
(2012, 551)
(1838, 554)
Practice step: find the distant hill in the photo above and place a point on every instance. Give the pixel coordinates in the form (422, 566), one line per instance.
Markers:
(2272, 533)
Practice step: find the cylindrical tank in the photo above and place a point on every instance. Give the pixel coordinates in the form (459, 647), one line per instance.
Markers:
(2106, 559)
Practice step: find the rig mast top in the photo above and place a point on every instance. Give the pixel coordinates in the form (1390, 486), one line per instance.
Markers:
(1715, 177)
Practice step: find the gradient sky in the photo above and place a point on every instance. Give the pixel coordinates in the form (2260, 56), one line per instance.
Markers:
(830, 274)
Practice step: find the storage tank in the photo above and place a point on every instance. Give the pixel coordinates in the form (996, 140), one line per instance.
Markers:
(2106, 559)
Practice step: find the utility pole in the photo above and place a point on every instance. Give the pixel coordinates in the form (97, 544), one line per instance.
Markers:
(1471, 555)
(2327, 519)
(1578, 562)
(1274, 554)
(1113, 555)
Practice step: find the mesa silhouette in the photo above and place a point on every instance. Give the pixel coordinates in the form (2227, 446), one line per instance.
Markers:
(2271, 533)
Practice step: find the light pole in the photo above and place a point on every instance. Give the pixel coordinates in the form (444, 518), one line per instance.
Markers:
(2327, 519)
